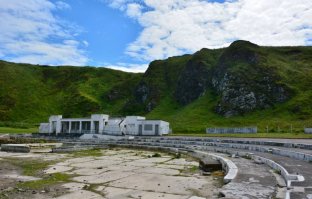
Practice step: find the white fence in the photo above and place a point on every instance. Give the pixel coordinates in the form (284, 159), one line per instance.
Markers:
(308, 130)
(232, 130)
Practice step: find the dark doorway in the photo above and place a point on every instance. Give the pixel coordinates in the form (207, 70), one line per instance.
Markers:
(157, 129)
(140, 129)
(96, 127)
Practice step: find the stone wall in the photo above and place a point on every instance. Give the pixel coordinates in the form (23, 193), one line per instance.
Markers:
(232, 130)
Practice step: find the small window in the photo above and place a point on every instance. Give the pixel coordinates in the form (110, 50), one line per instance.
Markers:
(105, 123)
(148, 127)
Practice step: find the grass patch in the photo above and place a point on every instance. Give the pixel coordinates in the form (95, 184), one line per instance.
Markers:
(193, 169)
(13, 130)
(31, 167)
(90, 152)
(35, 168)
(46, 181)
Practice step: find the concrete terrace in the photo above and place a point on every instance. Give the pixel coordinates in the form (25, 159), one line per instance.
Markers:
(262, 163)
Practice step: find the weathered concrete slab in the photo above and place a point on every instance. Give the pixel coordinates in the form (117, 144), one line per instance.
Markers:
(103, 178)
(162, 171)
(74, 186)
(57, 169)
(161, 183)
(81, 194)
(88, 171)
(119, 193)
(182, 161)
(96, 163)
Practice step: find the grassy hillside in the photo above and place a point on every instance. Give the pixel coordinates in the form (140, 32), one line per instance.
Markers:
(292, 66)
(184, 90)
(31, 93)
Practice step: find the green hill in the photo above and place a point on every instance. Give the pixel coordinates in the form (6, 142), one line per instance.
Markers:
(31, 93)
(241, 85)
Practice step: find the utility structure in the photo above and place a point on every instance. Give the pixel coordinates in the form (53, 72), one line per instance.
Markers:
(105, 125)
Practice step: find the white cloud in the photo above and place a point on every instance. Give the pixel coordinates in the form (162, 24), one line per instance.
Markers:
(132, 68)
(31, 33)
(62, 5)
(134, 10)
(173, 27)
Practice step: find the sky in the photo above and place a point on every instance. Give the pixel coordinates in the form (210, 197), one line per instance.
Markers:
(128, 34)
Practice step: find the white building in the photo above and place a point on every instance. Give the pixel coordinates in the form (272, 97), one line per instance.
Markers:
(103, 124)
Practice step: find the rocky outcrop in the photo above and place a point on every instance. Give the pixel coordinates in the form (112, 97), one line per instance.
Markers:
(196, 77)
(192, 83)
(238, 76)
(243, 83)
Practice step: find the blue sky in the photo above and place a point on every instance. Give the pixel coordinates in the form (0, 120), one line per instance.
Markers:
(128, 34)
(107, 30)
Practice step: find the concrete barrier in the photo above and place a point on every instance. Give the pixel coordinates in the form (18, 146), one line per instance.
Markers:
(259, 148)
(231, 130)
(284, 173)
(20, 148)
(26, 148)
(228, 166)
(308, 130)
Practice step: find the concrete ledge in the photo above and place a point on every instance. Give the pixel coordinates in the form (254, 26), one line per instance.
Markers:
(15, 148)
(287, 177)
(236, 145)
(26, 148)
(228, 166)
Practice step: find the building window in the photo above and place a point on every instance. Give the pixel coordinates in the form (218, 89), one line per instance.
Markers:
(148, 127)
(75, 126)
(86, 126)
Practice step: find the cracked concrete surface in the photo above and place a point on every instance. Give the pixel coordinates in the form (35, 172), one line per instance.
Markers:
(125, 174)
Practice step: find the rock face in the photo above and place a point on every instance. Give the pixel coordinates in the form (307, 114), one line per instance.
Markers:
(196, 77)
(237, 76)
(243, 83)
(143, 95)
(193, 83)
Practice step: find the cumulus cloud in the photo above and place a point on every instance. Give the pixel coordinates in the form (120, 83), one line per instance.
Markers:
(31, 33)
(132, 68)
(173, 27)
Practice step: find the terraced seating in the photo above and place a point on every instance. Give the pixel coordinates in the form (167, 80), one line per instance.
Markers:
(291, 160)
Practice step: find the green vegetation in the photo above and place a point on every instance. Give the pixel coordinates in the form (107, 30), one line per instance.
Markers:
(29, 94)
(46, 181)
(17, 130)
(31, 167)
(90, 152)
(35, 168)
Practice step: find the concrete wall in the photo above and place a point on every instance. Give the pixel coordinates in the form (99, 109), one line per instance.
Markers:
(44, 128)
(55, 120)
(232, 130)
(101, 118)
(112, 126)
(308, 130)
(163, 127)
